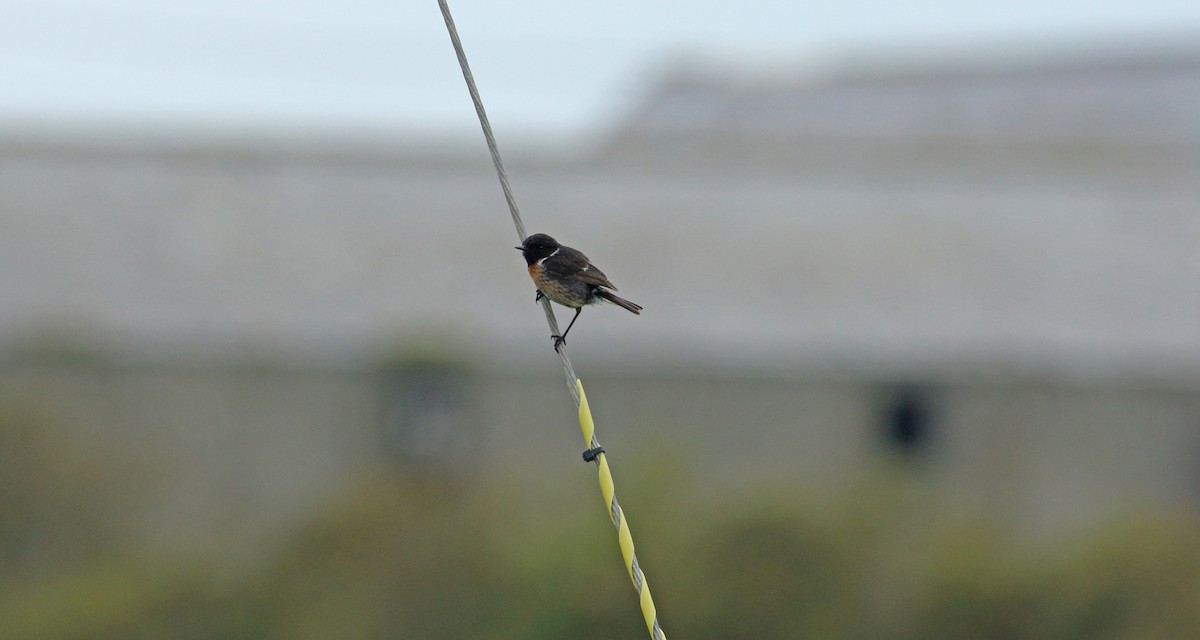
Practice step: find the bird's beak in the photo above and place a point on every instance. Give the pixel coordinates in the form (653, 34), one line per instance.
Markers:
(519, 248)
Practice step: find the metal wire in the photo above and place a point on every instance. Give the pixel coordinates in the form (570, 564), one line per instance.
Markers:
(508, 195)
(573, 384)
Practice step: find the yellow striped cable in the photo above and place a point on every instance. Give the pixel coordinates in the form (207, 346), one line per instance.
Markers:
(624, 537)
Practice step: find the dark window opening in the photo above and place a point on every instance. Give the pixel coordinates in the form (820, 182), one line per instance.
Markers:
(906, 421)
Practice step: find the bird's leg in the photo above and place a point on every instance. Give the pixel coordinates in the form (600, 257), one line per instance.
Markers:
(559, 340)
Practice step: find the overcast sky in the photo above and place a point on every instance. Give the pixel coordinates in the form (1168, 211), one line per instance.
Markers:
(545, 67)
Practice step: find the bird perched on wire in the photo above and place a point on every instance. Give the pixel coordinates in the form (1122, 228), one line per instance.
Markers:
(566, 276)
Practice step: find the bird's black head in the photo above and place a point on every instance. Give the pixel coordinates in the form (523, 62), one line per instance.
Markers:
(538, 246)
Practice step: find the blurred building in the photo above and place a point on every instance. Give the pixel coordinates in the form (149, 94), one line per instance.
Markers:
(989, 274)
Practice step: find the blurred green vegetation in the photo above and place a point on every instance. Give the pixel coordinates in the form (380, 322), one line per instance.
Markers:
(60, 504)
(411, 556)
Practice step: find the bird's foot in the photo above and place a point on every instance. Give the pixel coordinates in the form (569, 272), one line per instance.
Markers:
(539, 296)
(558, 341)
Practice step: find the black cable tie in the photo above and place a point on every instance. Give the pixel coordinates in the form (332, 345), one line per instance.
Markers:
(591, 454)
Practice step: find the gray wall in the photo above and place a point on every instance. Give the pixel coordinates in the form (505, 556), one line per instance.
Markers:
(241, 452)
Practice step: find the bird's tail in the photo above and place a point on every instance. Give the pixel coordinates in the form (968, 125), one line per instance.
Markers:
(605, 294)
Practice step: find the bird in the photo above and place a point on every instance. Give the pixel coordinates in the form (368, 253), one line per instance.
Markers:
(566, 276)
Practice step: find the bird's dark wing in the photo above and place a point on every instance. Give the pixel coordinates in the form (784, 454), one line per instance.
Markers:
(570, 263)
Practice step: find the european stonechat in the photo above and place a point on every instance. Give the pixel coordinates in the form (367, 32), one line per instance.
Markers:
(566, 276)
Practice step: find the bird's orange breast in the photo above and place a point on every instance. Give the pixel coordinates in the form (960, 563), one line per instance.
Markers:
(558, 290)
(544, 284)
